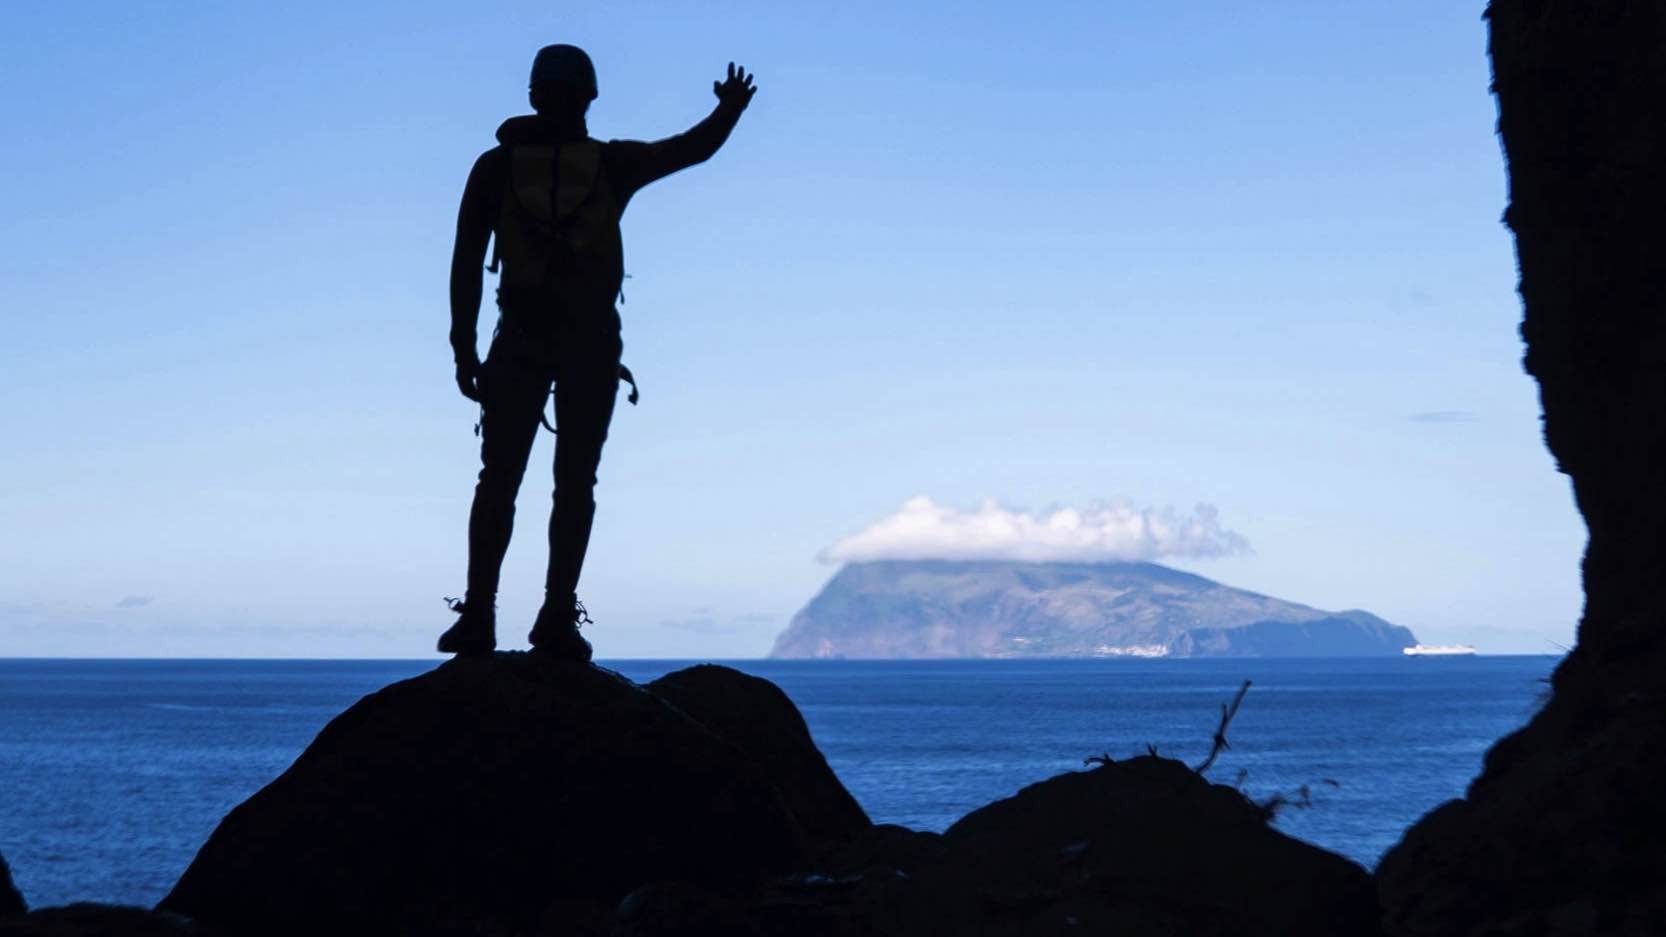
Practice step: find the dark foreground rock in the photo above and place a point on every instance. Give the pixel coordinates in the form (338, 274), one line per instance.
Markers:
(754, 715)
(1146, 846)
(489, 790)
(1561, 833)
(11, 901)
(1143, 848)
(101, 920)
(499, 796)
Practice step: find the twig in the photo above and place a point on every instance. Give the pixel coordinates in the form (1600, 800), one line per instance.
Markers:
(1301, 799)
(1227, 712)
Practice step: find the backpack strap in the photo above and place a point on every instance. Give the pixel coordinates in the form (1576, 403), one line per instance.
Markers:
(544, 417)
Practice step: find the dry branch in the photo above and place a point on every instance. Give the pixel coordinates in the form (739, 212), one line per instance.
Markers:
(1227, 712)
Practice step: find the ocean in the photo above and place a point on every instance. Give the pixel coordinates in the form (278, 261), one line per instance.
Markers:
(113, 773)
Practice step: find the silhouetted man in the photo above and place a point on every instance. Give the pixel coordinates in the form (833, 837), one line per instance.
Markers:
(552, 197)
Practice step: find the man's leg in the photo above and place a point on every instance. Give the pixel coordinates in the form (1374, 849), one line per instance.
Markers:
(513, 395)
(587, 383)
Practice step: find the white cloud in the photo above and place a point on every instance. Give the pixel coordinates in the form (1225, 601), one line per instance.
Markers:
(922, 529)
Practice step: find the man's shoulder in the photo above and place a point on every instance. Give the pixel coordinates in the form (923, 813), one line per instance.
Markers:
(487, 169)
(623, 149)
(623, 158)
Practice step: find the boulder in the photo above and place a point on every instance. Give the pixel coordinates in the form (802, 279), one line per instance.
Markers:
(11, 901)
(755, 716)
(490, 789)
(1147, 846)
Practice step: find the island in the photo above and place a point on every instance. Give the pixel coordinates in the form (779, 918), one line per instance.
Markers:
(989, 609)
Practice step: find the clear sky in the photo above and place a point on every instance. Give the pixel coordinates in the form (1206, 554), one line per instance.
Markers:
(1056, 255)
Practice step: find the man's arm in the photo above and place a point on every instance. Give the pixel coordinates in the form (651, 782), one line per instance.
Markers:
(468, 256)
(646, 162)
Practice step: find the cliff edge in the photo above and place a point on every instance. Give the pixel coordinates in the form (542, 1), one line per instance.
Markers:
(1560, 833)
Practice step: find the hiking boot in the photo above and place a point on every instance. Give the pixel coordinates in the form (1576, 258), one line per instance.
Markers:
(555, 633)
(474, 633)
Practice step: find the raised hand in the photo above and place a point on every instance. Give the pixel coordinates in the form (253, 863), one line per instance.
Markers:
(737, 89)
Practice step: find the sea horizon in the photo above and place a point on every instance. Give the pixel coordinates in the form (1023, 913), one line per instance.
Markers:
(830, 660)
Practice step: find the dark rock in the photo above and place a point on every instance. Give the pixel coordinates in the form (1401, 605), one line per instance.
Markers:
(886, 847)
(101, 920)
(675, 909)
(503, 796)
(478, 794)
(756, 717)
(11, 901)
(1143, 847)
(1560, 833)
(573, 917)
(1147, 846)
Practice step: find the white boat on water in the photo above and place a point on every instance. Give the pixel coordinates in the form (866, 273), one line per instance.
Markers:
(1437, 650)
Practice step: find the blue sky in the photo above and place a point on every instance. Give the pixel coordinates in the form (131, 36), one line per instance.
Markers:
(1057, 256)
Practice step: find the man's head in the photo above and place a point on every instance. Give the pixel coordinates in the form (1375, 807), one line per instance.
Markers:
(563, 81)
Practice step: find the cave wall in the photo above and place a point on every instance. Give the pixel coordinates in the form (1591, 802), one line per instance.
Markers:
(1557, 835)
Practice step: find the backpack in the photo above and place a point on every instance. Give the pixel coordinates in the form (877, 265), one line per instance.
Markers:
(556, 246)
(557, 237)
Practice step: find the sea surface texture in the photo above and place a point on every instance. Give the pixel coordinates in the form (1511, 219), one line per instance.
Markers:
(115, 772)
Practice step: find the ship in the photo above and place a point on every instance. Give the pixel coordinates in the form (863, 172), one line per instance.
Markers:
(1437, 650)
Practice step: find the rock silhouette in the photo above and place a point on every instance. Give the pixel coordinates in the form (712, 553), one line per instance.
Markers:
(755, 716)
(100, 920)
(488, 789)
(1145, 846)
(11, 901)
(1561, 832)
(503, 794)
(1140, 847)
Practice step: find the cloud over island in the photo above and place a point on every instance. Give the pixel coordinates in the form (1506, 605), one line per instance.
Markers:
(922, 529)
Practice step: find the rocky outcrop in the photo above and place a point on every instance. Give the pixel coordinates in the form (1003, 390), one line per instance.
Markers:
(755, 716)
(1142, 847)
(1559, 834)
(502, 795)
(1146, 846)
(947, 608)
(488, 791)
(11, 902)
